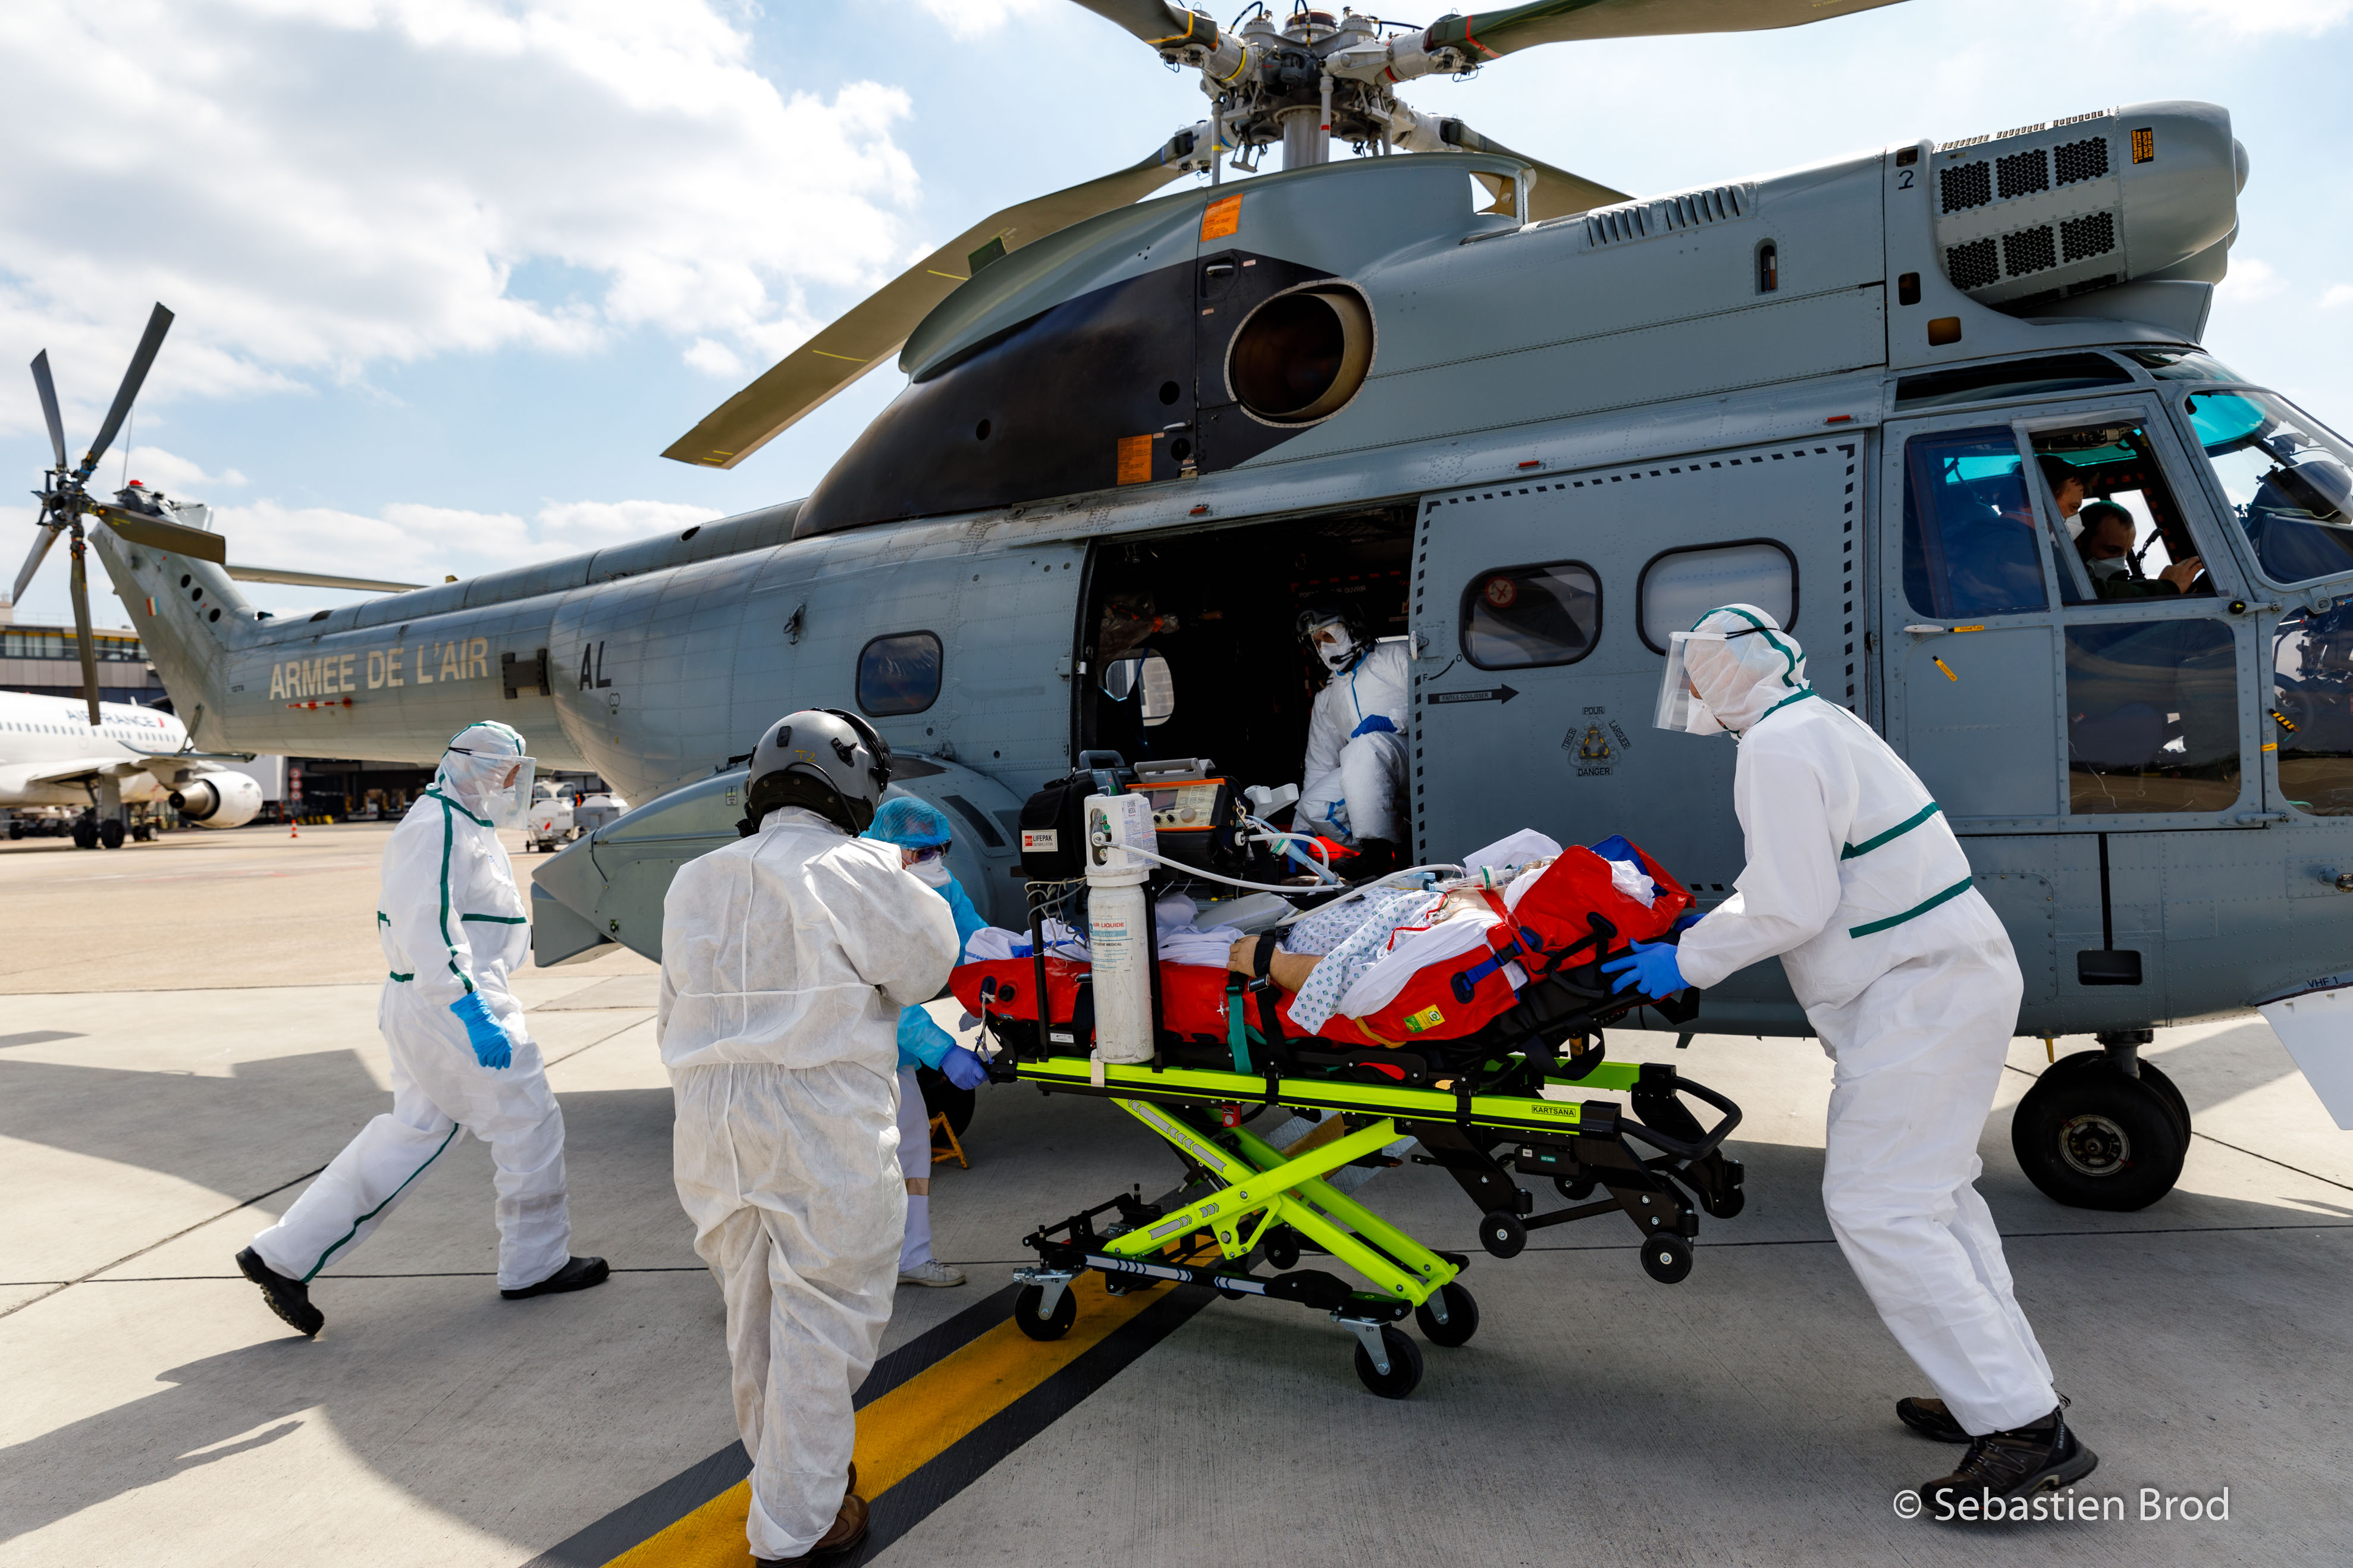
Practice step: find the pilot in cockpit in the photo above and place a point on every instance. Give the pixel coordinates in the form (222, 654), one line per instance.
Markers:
(2105, 540)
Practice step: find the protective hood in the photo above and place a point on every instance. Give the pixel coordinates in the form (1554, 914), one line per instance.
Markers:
(909, 823)
(488, 771)
(1740, 664)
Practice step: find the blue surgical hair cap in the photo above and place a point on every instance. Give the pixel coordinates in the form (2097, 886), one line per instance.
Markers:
(909, 823)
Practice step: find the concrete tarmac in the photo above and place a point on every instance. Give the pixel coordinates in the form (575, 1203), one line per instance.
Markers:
(189, 1035)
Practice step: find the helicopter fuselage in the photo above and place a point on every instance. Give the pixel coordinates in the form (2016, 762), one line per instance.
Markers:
(1556, 437)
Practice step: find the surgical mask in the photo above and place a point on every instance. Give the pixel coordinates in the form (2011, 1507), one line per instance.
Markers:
(1339, 651)
(932, 873)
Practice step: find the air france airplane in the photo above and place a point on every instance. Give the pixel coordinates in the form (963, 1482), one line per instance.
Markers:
(50, 754)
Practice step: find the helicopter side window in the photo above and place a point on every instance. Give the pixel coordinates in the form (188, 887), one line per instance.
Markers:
(1679, 587)
(1520, 617)
(2311, 717)
(2122, 537)
(2152, 717)
(2289, 481)
(1968, 527)
(898, 674)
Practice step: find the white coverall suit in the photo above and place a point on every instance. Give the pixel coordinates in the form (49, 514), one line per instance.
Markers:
(1856, 882)
(787, 957)
(1354, 775)
(451, 921)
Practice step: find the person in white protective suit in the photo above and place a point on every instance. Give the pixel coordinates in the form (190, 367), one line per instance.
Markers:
(923, 839)
(1352, 784)
(786, 958)
(453, 928)
(1857, 883)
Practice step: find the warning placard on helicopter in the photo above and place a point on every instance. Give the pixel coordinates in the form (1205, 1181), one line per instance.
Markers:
(1221, 218)
(1135, 460)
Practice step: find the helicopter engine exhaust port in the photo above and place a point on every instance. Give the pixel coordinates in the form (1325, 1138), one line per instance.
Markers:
(1301, 355)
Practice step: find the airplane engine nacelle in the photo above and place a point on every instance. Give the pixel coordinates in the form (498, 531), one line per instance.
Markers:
(2047, 212)
(218, 800)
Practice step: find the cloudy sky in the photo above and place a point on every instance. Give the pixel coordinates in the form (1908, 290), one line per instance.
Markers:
(451, 274)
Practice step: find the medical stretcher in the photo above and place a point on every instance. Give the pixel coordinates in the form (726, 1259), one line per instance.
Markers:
(1516, 1099)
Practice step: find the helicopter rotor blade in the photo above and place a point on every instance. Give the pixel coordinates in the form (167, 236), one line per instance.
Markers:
(83, 643)
(177, 538)
(1152, 21)
(874, 328)
(48, 391)
(1488, 34)
(158, 322)
(41, 552)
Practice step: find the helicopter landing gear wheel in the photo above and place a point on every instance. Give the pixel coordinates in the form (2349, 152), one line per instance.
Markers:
(2093, 1138)
(1666, 1257)
(1462, 1317)
(2150, 1073)
(1405, 1365)
(1040, 1325)
(1502, 1234)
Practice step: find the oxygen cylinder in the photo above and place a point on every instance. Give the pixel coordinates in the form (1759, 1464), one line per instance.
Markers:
(1117, 937)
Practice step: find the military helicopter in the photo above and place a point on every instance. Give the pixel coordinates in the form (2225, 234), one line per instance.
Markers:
(1901, 398)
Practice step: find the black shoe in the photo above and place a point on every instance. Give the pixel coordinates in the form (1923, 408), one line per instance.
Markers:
(290, 1299)
(1930, 1419)
(577, 1274)
(2004, 1465)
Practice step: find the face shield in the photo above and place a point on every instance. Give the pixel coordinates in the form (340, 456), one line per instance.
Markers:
(1680, 705)
(490, 772)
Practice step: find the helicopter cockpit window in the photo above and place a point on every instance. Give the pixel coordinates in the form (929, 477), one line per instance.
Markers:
(1679, 587)
(1968, 529)
(2122, 537)
(2288, 479)
(2182, 365)
(1517, 617)
(2015, 378)
(2311, 717)
(2152, 717)
(898, 674)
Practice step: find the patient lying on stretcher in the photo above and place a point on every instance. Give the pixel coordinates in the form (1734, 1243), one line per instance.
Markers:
(1387, 964)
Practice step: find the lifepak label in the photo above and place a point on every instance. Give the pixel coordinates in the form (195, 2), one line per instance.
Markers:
(1040, 840)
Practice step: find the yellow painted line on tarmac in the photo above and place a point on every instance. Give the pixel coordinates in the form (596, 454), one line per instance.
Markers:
(911, 1424)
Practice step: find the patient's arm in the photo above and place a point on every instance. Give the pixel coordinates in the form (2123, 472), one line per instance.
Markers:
(1288, 970)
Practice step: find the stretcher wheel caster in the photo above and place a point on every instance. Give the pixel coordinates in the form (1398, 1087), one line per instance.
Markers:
(1575, 1189)
(1666, 1257)
(1281, 1245)
(1046, 1325)
(1502, 1234)
(1405, 1366)
(1462, 1317)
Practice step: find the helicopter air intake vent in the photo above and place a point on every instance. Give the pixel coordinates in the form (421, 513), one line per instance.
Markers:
(1647, 220)
(2040, 212)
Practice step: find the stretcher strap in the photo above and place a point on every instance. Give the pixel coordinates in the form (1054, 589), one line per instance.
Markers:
(1466, 981)
(1238, 1031)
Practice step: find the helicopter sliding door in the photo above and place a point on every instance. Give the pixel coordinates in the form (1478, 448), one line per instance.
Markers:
(1540, 613)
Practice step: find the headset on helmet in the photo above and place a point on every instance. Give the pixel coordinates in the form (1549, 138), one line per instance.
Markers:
(831, 762)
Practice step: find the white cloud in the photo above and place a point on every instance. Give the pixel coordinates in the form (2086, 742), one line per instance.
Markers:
(2341, 294)
(2250, 280)
(171, 473)
(713, 358)
(2308, 17)
(972, 18)
(317, 185)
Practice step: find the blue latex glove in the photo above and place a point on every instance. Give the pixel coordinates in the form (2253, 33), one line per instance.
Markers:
(922, 1042)
(1652, 967)
(492, 1046)
(964, 1069)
